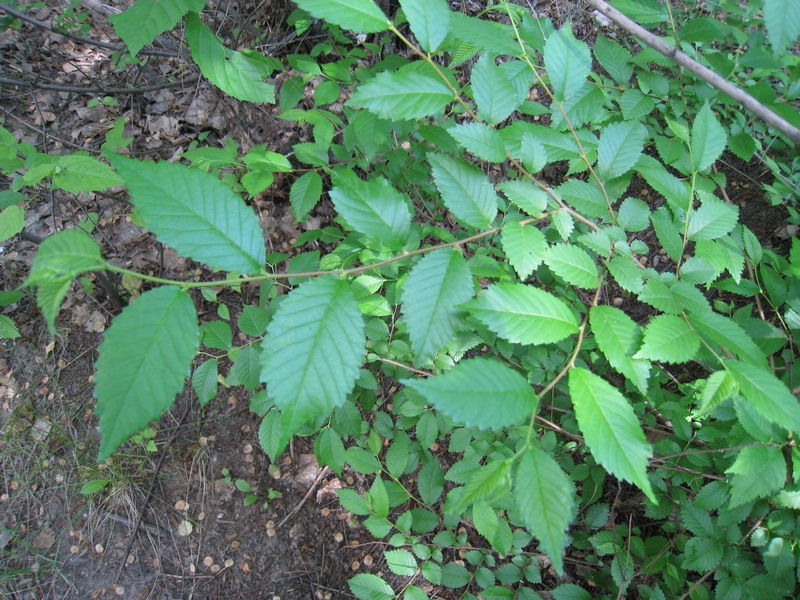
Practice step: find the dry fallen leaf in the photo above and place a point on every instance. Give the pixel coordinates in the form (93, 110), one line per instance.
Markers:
(185, 528)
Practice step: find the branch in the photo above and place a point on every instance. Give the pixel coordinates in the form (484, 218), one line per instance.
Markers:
(97, 90)
(706, 74)
(78, 38)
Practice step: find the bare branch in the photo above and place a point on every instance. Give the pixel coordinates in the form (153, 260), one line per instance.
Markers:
(99, 90)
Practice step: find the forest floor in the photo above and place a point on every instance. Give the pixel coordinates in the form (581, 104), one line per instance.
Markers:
(164, 517)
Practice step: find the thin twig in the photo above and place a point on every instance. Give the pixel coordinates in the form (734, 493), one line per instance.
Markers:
(297, 508)
(78, 38)
(704, 73)
(99, 90)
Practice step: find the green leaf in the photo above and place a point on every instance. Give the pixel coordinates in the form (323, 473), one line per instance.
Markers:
(545, 498)
(12, 221)
(713, 219)
(667, 233)
(702, 554)
(523, 314)
(615, 59)
(401, 562)
(742, 145)
(427, 429)
(204, 381)
(620, 146)
(217, 334)
(563, 223)
(635, 105)
(10, 197)
(708, 139)
(377, 497)
(455, 575)
(703, 30)
(49, 295)
(430, 482)
(65, 254)
(238, 74)
(573, 265)
(195, 213)
(9, 298)
(497, 592)
(351, 501)
(462, 392)
(313, 350)
(371, 132)
(491, 481)
(243, 486)
(253, 321)
(80, 173)
(402, 95)
(363, 16)
(142, 22)
(669, 338)
(527, 196)
(525, 246)
(484, 518)
(366, 586)
(720, 386)
(429, 20)
(494, 93)
(269, 434)
(94, 486)
(256, 182)
(766, 393)
(610, 428)
(532, 153)
(246, 369)
(782, 18)
(373, 208)
(436, 285)
(677, 193)
(8, 331)
(481, 140)
(397, 455)
(264, 160)
(587, 198)
(61, 257)
(414, 593)
(329, 449)
(466, 191)
(728, 334)
(627, 273)
(479, 33)
(568, 63)
(143, 361)
(758, 472)
(305, 194)
(618, 337)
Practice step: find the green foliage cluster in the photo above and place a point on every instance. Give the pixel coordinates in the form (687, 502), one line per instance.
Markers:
(480, 295)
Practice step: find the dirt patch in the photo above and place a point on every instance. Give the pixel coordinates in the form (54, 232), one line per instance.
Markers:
(166, 521)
